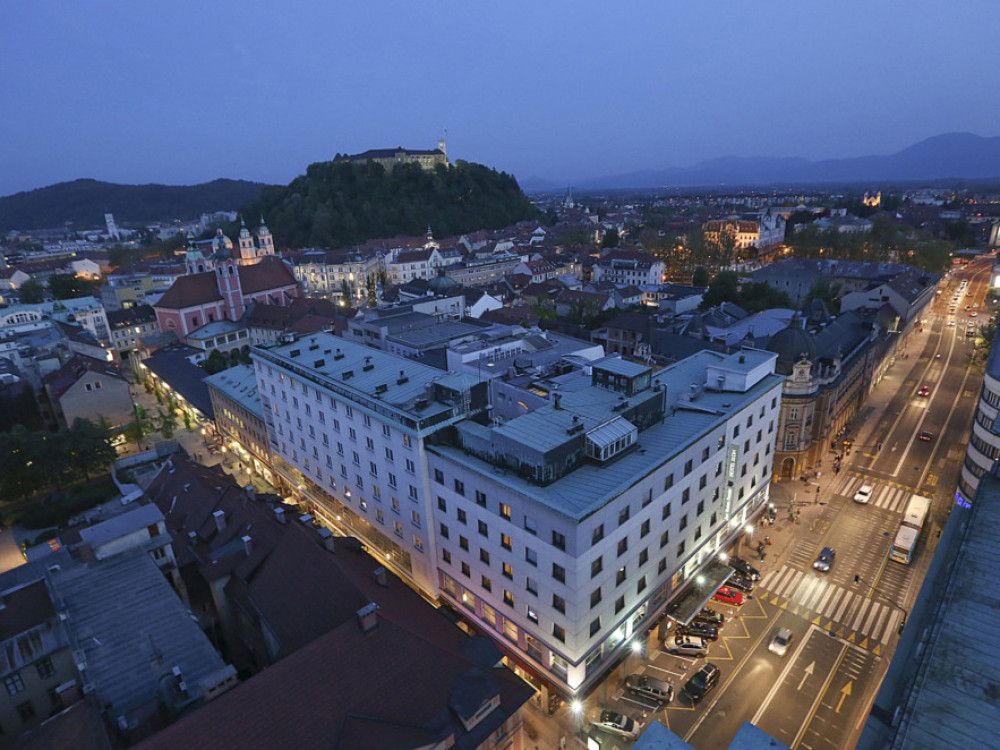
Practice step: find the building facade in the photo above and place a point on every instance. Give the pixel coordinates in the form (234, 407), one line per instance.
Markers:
(559, 524)
(984, 441)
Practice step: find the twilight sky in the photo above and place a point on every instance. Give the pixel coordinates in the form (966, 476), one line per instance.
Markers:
(185, 91)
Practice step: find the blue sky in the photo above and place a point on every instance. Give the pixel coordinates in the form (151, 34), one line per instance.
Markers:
(181, 92)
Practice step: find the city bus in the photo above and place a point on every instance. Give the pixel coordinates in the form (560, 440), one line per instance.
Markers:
(909, 529)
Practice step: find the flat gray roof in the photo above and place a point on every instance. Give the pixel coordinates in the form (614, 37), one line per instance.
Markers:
(240, 384)
(589, 487)
(137, 518)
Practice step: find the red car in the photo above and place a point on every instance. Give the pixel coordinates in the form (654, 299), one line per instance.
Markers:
(924, 391)
(728, 596)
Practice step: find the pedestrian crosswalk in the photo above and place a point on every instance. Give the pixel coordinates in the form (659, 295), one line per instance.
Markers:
(883, 496)
(851, 613)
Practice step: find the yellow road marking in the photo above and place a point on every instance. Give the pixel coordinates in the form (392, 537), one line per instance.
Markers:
(864, 643)
(878, 649)
(844, 692)
(850, 638)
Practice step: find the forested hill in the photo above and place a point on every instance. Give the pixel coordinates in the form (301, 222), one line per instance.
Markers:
(83, 203)
(338, 203)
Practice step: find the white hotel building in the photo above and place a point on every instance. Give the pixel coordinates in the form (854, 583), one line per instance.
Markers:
(559, 515)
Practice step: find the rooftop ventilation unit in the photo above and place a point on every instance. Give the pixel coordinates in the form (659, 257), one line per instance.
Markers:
(338, 355)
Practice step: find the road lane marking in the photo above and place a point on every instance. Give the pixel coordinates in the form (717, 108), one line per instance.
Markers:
(781, 678)
(844, 692)
(819, 697)
(808, 672)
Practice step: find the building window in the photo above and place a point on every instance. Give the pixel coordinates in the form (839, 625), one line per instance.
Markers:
(530, 556)
(666, 512)
(26, 711)
(397, 529)
(505, 542)
(595, 626)
(640, 585)
(504, 508)
(460, 487)
(442, 505)
(466, 571)
(446, 556)
(680, 549)
(644, 529)
(598, 534)
(686, 495)
(619, 604)
(483, 529)
(621, 576)
(531, 586)
(595, 597)
(463, 543)
(664, 539)
(701, 507)
(688, 465)
(558, 603)
(418, 542)
(439, 476)
(487, 584)
(558, 572)
(668, 482)
(558, 633)
(460, 514)
(481, 498)
(596, 567)
(558, 540)
(444, 531)
(623, 515)
(644, 556)
(13, 683)
(508, 598)
(508, 571)
(530, 526)
(623, 546)
(661, 566)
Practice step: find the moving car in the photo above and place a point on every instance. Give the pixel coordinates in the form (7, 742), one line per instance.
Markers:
(701, 682)
(924, 390)
(925, 436)
(699, 630)
(711, 616)
(687, 645)
(644, 686)
(951, 322)
(738, 563)
(864, 494)
(779, 644)
(825, 560)
(728, 596)
(739, 581)
(617, 724)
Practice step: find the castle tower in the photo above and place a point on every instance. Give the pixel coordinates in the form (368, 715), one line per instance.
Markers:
(265, 240)
(442, 149)
(227, 278)
(248, 252)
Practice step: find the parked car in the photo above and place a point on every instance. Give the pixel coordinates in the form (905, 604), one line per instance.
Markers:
(644, 686)
(687, 645)
(825, 560)
(728, 596)
(779, 644)
(738, 563)
(864, 494)
(701, 682)
(925, 436)
(700, 629)
(739, 581)
(711, 616)
(617, 724)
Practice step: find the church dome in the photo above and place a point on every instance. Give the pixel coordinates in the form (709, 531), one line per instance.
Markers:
(441, 284)
(791, 345)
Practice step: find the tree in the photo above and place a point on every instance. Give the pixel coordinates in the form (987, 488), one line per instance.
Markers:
(610, 239)
(829, 293)
(725, 287)
(70, 286)
(31, 292)
(346, 293)
(166, 423)
(92, 447)
(700, 277)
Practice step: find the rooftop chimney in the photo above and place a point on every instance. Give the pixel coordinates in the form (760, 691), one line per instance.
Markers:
(220, 520)
(247, 545)
(556, 399)
(251, 492)
(280, 515)
(381, 577)
(367, 618)
(326, 537)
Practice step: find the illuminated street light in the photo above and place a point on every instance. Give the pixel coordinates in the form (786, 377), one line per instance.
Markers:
(748, 528)
(699, 581)
(636, 647)
(576, 707)
(723, 557)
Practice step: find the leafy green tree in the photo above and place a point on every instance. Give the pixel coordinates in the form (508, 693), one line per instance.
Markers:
(700, 277)
(761, 296)
(31, 292)
(610, 239)
(725, 287)
(346, 293)
(70, 286)
(166, 423)
(92, 449)
(215, 362)
(828, 292)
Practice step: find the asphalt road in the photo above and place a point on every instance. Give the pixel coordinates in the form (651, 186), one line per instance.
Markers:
(819, 694)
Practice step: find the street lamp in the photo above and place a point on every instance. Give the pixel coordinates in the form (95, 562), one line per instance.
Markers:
(901, 608)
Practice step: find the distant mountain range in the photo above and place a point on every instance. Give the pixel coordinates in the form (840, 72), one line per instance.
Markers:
(83, 203)
(952, 155)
